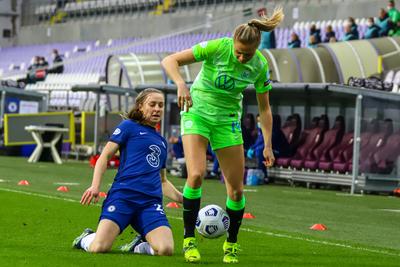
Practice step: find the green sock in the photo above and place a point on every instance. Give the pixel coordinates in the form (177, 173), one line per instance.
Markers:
(235, 210)
(191, 207)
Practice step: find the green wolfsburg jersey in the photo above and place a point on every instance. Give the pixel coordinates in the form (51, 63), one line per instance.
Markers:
(217, 89)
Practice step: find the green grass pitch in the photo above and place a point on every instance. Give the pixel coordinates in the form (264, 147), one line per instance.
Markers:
(38, 223)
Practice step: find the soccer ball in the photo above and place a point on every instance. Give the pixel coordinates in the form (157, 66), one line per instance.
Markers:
(212, 221)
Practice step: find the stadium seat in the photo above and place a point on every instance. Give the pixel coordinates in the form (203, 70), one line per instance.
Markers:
(313, 139)
(376, 142)
(336, 153)
(385, 158)
(321, 153)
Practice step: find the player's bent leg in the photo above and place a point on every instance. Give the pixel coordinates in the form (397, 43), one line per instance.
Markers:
(195, 148)
(106, 233)
(161, 240)
(231, 160)
(232, 164)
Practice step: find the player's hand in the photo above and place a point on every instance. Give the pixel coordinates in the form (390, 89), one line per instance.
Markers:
(269, 156)
(92, 193)
(184, 98)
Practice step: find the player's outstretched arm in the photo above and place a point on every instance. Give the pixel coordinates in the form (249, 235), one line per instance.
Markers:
(171, 65)
(266, 127)
(169, 190)
(101, 166)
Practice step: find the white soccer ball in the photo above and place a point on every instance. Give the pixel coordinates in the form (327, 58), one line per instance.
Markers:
(212, 221)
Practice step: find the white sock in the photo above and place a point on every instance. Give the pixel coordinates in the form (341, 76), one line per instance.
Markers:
(87, 240)
(144, 248)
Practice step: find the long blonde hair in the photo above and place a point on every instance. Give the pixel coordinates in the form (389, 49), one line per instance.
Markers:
(250, 32)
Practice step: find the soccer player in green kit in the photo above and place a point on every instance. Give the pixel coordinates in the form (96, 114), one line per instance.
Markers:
(211, 112)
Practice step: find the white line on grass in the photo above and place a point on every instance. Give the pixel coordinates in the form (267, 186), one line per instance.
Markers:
(61, 183)
(38, 195)
(390, 210)
(250, 190)
(349, 195)
(321, 242)
(327, 243)
(4, 181)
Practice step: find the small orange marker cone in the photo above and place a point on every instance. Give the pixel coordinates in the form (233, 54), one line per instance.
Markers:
(102, 194)
(396, 192)
(173, 205)
(248, 215)
(63, 189)
(23, 182)
(319, 227)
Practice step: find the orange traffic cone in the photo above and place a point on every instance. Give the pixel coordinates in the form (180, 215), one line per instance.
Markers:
(63, 189)
(173, 205)
(319, 227)
(248, 215)
(102, 194)
(396, 192)
(23, 182)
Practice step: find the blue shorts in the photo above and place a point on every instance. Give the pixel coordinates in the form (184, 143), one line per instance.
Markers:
(142, 218)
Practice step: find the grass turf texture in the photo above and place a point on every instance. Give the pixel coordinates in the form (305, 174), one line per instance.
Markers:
(38, 225)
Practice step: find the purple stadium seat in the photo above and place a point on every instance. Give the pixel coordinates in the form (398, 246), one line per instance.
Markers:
(330, 139)
(336, 153)
(377, 142)
(343, 161)
(283, 162)
(321, 152)
(312, 140)
(385, 157)
(288, 131)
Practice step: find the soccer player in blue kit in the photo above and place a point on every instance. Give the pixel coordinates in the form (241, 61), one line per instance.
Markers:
(135, 197)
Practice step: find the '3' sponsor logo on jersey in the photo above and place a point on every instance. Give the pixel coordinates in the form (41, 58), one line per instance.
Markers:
(154, 157)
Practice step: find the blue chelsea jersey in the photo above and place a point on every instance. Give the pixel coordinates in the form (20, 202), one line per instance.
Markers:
(143, 153)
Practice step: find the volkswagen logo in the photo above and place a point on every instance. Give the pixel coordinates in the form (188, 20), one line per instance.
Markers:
(225, 82)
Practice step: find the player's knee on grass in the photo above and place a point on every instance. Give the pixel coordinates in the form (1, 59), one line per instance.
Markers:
(165, 250)
(100, 247)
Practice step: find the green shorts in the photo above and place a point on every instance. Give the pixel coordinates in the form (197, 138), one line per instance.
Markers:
(220, 135)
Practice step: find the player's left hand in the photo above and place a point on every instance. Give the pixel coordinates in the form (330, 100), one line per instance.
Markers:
(269, 156)
(92, 193)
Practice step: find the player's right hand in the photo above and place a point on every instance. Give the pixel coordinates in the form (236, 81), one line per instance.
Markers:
(90, 194)
(184, 98)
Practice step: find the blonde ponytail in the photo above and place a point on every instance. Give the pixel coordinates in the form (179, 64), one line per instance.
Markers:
(250, 32)
(267, 24)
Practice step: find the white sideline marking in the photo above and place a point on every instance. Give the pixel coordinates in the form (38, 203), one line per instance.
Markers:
(61, 183)
(327, 243)
(348, 195)
(4, 181)
(38, 195)
(321, 242)
(390, 210)
(250, 190)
